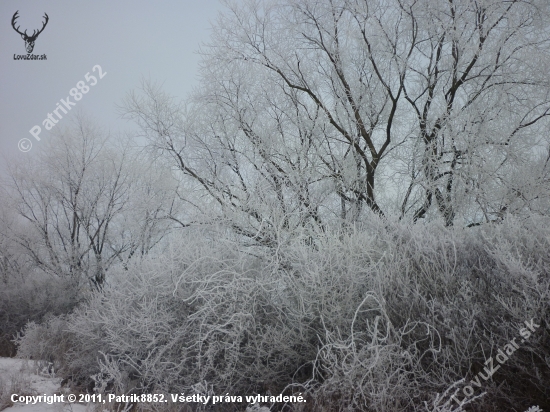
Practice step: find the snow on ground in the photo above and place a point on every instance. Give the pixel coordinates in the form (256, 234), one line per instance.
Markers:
(28, 379)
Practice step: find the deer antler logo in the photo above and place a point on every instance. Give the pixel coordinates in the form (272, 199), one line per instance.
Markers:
(29, 40)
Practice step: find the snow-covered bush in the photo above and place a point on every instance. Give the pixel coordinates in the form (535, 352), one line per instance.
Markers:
(201, 312)
(47, 341)
(385, 317)
(31, 297)
(10, 383)
(440, 303)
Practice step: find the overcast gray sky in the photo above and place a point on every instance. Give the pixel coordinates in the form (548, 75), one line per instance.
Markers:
(128, 39)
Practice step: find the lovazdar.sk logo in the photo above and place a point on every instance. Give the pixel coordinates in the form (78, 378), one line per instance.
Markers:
(29, 39)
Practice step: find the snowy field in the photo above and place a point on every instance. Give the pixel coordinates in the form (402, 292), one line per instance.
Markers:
(28, 379)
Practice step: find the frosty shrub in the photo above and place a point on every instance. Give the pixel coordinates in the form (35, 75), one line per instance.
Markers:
(200, 312)
(442, 302)
(30, 299)
(382, 317)
(48, 341)
(20, 384)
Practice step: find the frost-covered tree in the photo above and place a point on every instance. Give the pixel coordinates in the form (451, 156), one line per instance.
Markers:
(83, 203)
(313, 111)
(455, 93)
